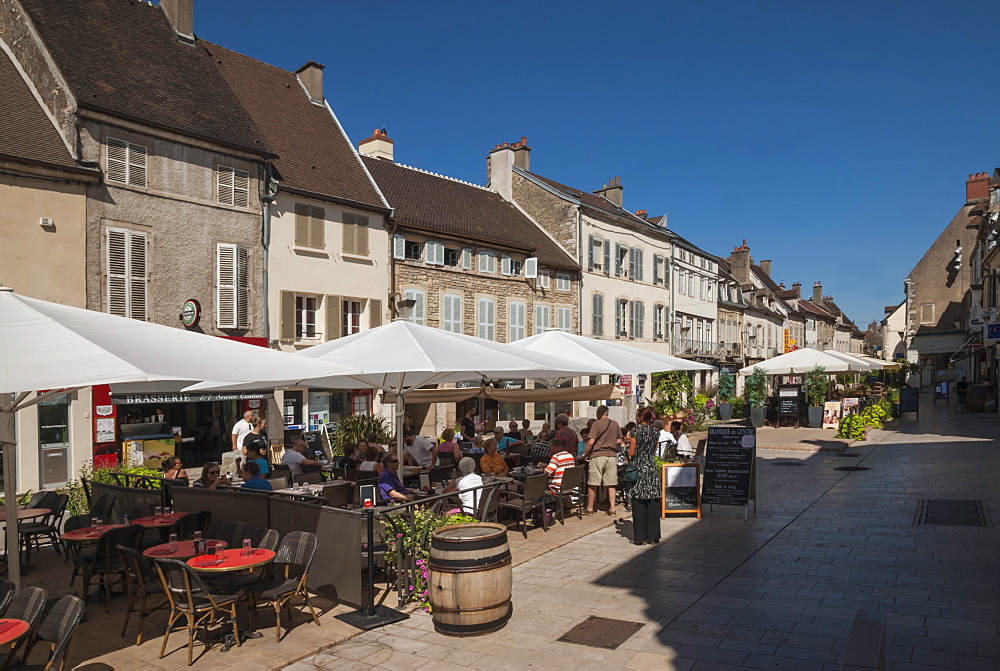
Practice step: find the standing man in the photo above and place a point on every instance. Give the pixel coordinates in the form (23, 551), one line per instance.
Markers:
(241, 429)
(469, 424)
(602, 457)
(419, 451)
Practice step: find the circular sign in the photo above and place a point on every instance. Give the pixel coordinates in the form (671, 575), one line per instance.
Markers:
(748, 441)
(190, 313)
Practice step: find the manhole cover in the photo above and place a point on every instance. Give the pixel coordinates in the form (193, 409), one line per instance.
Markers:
(786, 463)
(848, 454)
(601, 632)
(953, 512)
(852, 468)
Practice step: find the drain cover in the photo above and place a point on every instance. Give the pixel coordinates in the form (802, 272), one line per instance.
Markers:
(848, 454)
(953, 512)
(786, 463)
(601, 632)
(852, 468)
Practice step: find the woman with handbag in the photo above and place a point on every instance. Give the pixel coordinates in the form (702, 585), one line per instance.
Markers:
(646, 491)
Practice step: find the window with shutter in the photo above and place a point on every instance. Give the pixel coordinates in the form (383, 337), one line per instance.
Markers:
(544, 279)
(640, 261)
(466, 259)
(487, 319)
(487, 262)
(543, 316)
(562, 282)
(232, 286)
(347, 243)
(419, 306)
(354, 234)
(531, 268)
(451, 313)
(591, 244)
(597, 328)
(233, 186)
(350, 311)
(516, 322)
(398, 247)
(563, 318)
(638, 314)
(621, 307)
(505, 265)
(125, 162)
(333, 309)
(607, 257)
(305, 317)
(287, 328)
(127, 263)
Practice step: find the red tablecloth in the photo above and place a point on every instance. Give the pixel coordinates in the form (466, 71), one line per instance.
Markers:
(185, 549)
(88, 533)
(231, 560)
(164, 520)
(11, 630)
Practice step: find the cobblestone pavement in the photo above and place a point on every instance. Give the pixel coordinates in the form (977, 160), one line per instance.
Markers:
(778, 591)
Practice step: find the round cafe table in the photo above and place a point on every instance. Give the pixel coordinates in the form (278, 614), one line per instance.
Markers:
(25, 513)
(89, 534)
(230, 560)
(164, 520)
(185, 549)
(11, 630)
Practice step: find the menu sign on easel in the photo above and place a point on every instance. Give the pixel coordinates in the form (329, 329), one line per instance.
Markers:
(730, 453)
(680, 489)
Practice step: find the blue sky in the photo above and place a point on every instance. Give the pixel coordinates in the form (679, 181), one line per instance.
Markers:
(835, 137)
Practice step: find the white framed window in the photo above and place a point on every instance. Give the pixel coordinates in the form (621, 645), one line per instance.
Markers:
(354, 234)
(637, 316)
(413, 250)
(350, 312)
(487, 319)
(659, 321)
(621, 317)
(597, 327)
(543, 318)
(927, 313)
(451, 313)
(516, 321)
(305, 317)
(434, 253)
(232, 286)
(127, 263)
(562, 282)
(417, 314)
(125, 162)
(233, 186)
(564, 318)
(544, 279)
(310, 226)
(487, 262)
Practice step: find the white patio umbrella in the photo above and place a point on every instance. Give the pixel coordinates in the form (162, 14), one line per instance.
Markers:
(50, 346)
(401, 356)
(803, 360)
(863, 366)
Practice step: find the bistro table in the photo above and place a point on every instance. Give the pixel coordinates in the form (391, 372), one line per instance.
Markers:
(12, 630)
(232, 560)
(88, 534)
(25, 513)
(155, 521)
(185, 549)
(524, 475)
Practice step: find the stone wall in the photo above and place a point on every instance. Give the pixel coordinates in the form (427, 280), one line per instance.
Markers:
(555, 215)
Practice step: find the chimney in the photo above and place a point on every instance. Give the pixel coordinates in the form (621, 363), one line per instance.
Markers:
(612, 191)
(500, 164)
(766, 267)
(311, 76)
(817, 292)
(739, 261)
(642, 214)
(379, 145)
(977, 186)
(797, 288)
(180, 13)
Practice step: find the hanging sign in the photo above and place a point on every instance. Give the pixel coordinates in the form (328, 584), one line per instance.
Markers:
(190, 313)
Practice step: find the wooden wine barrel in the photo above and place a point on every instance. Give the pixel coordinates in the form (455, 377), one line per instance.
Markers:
(470, 578)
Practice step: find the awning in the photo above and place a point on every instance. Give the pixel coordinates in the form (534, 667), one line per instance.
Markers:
(597, 392)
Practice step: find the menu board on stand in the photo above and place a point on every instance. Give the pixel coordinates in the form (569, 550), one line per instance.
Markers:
(680, 494)
(730, 467)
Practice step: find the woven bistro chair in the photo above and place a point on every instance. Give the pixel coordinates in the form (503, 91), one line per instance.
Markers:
(533, 497)
(189, 598)
(58, 630)
(104, 507)
(572, 483)
(6, 593)
(233, 533)
(32, 533)
(26, 605)
(106, 562)
(309, 479)
(187, 525)
(142, 586)
(291, 571)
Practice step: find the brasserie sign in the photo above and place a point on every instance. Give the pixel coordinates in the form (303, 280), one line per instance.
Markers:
(184, 397)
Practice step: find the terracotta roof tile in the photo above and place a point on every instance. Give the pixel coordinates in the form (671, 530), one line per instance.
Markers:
(809, 306)
(26, 132)
(448, 206)
(122, 57)
(314, 154)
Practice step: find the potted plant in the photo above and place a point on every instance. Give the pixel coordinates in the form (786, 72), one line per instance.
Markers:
(756, 393)
(816, 383)
(727, 389)
(672, 391)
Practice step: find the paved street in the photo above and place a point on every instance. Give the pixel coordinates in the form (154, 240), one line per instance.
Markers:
(779, 591)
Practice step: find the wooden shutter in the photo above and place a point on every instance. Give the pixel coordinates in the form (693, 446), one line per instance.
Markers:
(301, 225)
(398, 247)
(349, 238)
(241, 188)
(117, 161)
(607, 257)
(374, 313)
(317, 227)
(242, 287)
(138, 277)
(287, 329)
(598, 315)
(117, 264)
(361, 235)
(334, 317)
(224, 185)
(591, 243)
(505, 265)
(466, 259)
(136, 165)
(225, 283)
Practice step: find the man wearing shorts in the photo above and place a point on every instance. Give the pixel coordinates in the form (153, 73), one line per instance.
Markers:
(602, 457)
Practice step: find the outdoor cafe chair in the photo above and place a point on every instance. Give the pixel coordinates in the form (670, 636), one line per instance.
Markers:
(47, 527)
(233, 533)
(337, 496)
(190, 598)
(365, 477)
(73, 550)
(446, 459)
(265, 538)
(58, 630)
(26, 605)
(309, 478)
(439, 474)
(533, 497)
(140, 510)
(338, 472)
(291, 572)
(142, 585)
(103, 507)
(572, 482)
(280, 481)
(106, 562)
(489, 503)
(187, 525)
(6, 593)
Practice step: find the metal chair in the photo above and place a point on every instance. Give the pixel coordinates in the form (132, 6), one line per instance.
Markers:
(489, 503)
(106, 562)
(572, 481)
(189, 597)
(26, 605)
(58, 630)
(535, 496)
(141, 586)
(265, 538)
(187, 525)
(309, 478)
(291, 568)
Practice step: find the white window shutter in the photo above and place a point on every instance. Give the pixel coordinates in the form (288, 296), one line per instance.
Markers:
(505, 265)
(117, 161)
(224, 185)
(226, 282)
(531, 268)
(439, 258)
(136, 165)
(398, 247)
(242, 287)
(138, 277)
(117, 264)
(241, 188)
(466, 259)
(607, 257)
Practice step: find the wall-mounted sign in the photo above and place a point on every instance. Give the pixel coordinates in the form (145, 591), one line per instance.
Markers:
(190, 313)
(993, 331)
(186, 397)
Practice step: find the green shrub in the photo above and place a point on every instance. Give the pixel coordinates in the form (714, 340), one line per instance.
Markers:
(671, 392)
(816, 384)
(755, 388)
(739, 407)
(852, 427)
(727, 387)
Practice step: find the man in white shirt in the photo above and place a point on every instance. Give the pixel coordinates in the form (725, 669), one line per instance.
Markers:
(684, 448)
(294, 458)
(419, 452)
(241, 429)
(666, 444)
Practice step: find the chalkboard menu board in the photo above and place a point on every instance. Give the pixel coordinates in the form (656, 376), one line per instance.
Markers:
(680, 489)
(314, 444)
(788, 406)
(909, 400)
(729, 465)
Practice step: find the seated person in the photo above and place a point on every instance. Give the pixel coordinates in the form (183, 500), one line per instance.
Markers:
(540, 448)
(419, 451)
(348, 460)
(449, 446)
(371, 462)
(504, 443)
(526, 429)
(468, 480)
(389, 484)
(173, 469)
(512, 430)
(684, 448)
(295, 458)
(252, 479)
(254, 455)
(477, 446)
(560, 461)
(492, 463)
(581, 445)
